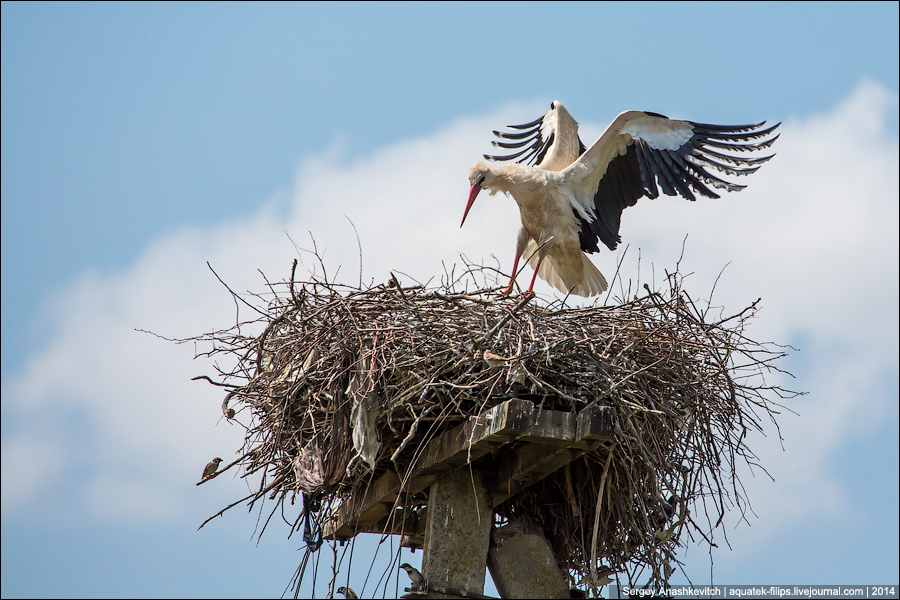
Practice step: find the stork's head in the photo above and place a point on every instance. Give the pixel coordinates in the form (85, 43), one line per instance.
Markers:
(480, 176)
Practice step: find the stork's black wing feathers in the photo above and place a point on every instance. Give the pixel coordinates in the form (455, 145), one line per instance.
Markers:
(527, 125)
(730, 159)
(727, 128)
(533, 154)
(536, 145)
(738, 133)
(621, 186)
(684, 171)
(512, 156)
(644, 163)
(680, 175)
(543, 152)
(741, 147)
(512, 136)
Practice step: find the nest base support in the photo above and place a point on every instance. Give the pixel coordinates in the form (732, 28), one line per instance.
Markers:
(457, 532)
(553, 439)
(522, 563)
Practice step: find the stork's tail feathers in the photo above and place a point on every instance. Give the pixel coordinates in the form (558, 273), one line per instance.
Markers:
(589, 282)
(593, 283)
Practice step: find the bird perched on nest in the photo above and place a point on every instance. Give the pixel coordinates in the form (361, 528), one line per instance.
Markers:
(347, 592)
(495, 360)
(570, 197)
(210, 468)
(414, 575)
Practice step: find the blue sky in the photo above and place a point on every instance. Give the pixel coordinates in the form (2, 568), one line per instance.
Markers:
(141, 140)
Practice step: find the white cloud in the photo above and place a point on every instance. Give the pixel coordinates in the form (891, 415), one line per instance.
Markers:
(27, 462)
(815, 235)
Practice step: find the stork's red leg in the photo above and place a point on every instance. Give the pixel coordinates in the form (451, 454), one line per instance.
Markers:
(513, 277)
(533, 277)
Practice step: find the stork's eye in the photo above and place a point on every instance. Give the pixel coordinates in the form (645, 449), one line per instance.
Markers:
(480, 181)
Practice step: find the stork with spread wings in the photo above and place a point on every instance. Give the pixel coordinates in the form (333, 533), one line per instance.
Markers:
(570, 197)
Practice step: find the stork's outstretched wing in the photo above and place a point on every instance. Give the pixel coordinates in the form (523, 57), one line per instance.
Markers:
(641, 152)
(550, 143)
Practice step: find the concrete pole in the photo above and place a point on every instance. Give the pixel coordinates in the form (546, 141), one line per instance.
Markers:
(522, 563)
(457, 532)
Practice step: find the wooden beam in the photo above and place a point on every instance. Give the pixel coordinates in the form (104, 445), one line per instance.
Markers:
(461, 445)
(557, 441)
(475, 438)
(553, 427)
(554, 439)
(357, 516)
(594, 425)
(400, 521)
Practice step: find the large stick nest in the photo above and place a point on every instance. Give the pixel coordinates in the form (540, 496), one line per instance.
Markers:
(344, 379)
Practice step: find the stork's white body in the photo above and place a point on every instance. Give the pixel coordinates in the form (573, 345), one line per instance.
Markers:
(573, 197)
(549, 231)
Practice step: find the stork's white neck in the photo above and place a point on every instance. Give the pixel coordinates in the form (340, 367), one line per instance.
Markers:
(513, 177)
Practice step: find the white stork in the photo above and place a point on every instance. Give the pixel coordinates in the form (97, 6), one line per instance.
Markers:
(570, 196)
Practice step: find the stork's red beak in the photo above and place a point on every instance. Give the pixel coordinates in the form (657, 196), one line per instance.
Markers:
(472, 193)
